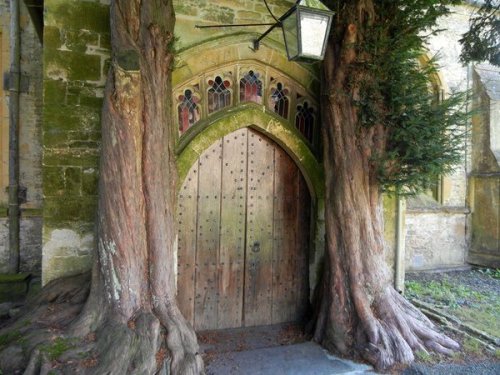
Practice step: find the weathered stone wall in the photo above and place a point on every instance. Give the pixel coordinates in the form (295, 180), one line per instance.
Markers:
(436, 234)
(204, 12)
(29, 142)
(76, 54)
(442, 242)
(76, 50)
(485, 175)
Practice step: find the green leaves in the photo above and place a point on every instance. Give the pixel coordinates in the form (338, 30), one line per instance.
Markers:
(425, 133)
(482, 41)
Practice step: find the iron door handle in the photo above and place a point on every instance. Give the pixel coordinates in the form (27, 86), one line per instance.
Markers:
(256, 247)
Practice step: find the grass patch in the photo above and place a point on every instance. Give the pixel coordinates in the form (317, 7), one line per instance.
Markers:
(9, 337)
(472, 346)
(474, 306)
(424, 357)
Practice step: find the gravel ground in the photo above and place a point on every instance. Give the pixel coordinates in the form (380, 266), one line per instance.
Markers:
(487, 284)
(482, 368)
(474, 279)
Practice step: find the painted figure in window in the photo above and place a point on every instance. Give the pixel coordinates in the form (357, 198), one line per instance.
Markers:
(189, 112)
(251, 88)
(218, 95)
(279, 101)
(304, 120)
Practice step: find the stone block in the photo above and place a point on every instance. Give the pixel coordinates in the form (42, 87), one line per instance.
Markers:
(66, 252)
(79, 15)
(64, 209)
(69, 65)
(435, 239)
(247, 15)
(78, 40)
(220, 15)
(64, 118)
(62, 157)
(90, 178)
(72, 181)
(52, 37)
(54, 92)
(13, 287)
(53, 181)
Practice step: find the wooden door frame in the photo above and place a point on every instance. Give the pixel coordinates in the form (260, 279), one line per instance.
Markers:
(289, 139)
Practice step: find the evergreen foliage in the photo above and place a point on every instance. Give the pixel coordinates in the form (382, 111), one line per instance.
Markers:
(482, 41)
(424, 132)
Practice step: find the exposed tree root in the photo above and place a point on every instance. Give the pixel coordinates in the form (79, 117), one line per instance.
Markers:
(51, 337)
(398, 331)
(388, 335)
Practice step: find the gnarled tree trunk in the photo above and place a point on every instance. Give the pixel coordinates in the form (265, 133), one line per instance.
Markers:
(359, 310)
(130, 323)
(134, 283)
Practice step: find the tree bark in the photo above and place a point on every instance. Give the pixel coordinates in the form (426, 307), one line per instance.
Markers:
(136, 236)
(360, 313)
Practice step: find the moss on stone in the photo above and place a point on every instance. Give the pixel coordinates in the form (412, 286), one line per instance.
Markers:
(54, 92)
(79, 15)
(221, 15)
(6, 278)
(72, 181)
(70, 209)
(53, 181)
(66, 118)
(186, 10)
(52, 37)
(58, 347)
(105, 41)
(64, 157)
(72, 65)
(78, 40)
(9, 337)
(90, 179)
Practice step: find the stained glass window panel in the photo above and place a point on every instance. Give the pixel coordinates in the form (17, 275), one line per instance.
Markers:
(219, 95)
(251, 88)
(279, 101)
(188, 110)
(304, 120)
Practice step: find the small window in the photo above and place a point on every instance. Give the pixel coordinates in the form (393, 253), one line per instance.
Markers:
(279, 101)
(219, 95)
(189, 111)
(304, 120)
(251, 88)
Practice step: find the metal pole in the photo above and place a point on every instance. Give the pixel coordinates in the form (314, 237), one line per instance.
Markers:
(399, 261)
(14, 83)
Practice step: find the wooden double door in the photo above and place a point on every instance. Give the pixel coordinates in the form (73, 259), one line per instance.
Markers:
(243, 219)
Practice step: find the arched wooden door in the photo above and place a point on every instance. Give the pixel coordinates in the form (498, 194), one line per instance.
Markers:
(243, 217)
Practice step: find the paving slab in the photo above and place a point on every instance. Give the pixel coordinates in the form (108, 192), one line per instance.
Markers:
(306, 358)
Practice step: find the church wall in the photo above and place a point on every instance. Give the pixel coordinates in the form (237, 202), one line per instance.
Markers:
(29, 142)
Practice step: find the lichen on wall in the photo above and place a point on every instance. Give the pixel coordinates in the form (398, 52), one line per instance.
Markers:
(484, 180)
(76, 60)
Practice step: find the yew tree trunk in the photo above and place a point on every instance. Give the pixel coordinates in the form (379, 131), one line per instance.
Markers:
(132, 296)
(360, 313)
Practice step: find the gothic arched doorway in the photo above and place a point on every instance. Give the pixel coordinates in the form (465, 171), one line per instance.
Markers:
(244, 223)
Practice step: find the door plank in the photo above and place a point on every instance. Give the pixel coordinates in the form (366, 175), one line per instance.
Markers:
(232, 236)
(303, 237)
(208, 225)
(186, 250)
(259, 243)
(285, 245)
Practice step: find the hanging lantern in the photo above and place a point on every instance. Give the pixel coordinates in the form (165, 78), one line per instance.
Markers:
(305, 29)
